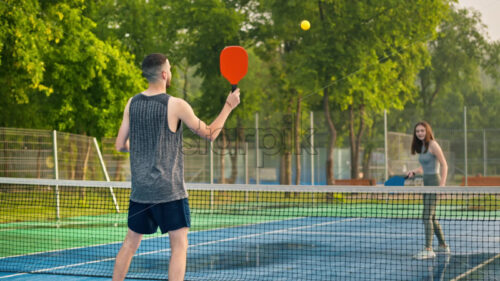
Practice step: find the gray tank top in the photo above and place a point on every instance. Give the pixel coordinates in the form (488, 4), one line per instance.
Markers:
(428, 162)
(156, 159)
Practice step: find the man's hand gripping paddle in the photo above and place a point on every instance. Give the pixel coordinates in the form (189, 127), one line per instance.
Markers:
(233, 64)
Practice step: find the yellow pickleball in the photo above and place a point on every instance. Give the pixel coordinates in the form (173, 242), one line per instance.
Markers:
(305, 25)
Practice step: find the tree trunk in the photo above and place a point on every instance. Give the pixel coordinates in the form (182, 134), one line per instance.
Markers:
(367, 153)
(286, 161)
(332, 138)
(355, 139)
(288, 144)
(286, 171)
(366, 162)
(332, 132)
(286, 164)
(428, 94)
(354, 174)
(298, 167)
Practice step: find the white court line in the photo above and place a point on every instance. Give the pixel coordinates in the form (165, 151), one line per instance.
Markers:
(479, 266)
(191, 246)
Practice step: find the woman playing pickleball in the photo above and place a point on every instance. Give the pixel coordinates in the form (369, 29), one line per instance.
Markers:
(434, 169)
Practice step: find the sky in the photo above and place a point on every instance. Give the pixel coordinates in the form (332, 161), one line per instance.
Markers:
(490, 14)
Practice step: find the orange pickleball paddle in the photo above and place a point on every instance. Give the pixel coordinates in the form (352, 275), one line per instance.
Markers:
(234, 64)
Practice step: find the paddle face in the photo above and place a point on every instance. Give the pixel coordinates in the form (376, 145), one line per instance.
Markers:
(396, 181)
(233, 64)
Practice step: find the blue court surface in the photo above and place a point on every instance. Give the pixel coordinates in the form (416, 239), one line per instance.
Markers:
(311, 248)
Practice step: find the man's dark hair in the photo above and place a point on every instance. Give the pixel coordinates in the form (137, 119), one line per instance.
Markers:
(151, 66)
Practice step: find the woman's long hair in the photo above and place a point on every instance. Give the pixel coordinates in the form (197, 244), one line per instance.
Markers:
(416, 145)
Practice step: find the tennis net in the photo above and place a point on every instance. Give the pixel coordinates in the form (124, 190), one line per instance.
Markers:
(248, 232)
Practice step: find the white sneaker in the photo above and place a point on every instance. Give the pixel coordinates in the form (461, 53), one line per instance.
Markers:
(425, 254)
(443, 250)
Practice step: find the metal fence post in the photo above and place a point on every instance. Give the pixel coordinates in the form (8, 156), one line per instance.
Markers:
(466, 163)
(56, 174)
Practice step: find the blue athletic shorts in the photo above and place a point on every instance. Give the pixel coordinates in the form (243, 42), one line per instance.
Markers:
(145, 218)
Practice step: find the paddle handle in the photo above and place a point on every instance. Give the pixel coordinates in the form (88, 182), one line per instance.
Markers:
(233, 88)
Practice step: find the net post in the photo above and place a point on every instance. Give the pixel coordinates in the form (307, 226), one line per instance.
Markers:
(105, 171)
(56, 175)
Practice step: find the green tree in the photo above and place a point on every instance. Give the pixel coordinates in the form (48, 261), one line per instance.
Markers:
(209, 27)
(453, 79)
(284, 44)
(58, 74)
(379, 49)
(143, 27)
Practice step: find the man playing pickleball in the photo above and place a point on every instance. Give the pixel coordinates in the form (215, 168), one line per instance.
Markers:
(151, 130)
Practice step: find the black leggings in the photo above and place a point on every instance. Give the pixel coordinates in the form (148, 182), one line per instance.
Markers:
(431, 224)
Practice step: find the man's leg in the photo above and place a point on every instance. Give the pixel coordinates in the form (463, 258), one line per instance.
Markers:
(179, 245)
(124, 257)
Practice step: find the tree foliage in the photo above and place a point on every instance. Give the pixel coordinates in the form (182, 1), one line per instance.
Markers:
(57, 74)
(459, 54)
